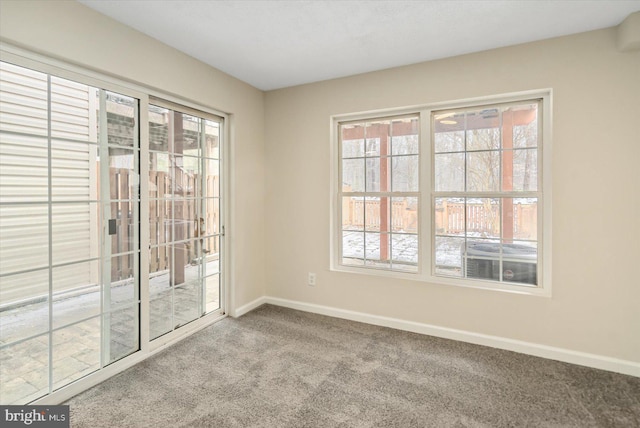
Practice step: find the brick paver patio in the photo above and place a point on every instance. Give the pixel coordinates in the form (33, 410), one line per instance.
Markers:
(76, 348)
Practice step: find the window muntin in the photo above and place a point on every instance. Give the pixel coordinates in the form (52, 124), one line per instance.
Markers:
(485, 199)
(480, 189)
(43, 120)
(184, 216)
(379, 193)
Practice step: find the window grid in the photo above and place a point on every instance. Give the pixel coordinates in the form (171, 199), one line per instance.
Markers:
(514, 269)
(497, 192)
(377, 156)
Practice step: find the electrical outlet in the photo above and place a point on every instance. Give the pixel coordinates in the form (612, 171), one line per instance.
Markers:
(312, 279)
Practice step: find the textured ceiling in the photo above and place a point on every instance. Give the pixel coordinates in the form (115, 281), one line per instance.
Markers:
(273, 44)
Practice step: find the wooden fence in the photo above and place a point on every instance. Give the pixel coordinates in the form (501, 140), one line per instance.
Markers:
(171, 218)
(450, 217)
(365, 213)
(484, 219)
(180, 221)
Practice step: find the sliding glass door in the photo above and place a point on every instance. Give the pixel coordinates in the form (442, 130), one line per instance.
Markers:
(69, 231)
(184, 215)
(74, 248)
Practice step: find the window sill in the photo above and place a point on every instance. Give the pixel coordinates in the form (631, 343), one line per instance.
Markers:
(445, 281)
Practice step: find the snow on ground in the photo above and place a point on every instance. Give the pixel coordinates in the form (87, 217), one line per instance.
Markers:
(404, 248)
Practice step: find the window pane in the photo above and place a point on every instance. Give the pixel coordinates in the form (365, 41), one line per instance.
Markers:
(404, 250)
(24, 230)
(212, 293)
(404, 138)
(404, 214)
(212, 180)
(483, 217)
(125, 238)
(187, 303)
(160, 311)
(449, 256)
(160, 181)
(520, 218)
(74, 231)
(482, 259)
(159, 224)
(353, 175)
(449, 172)
(123, 332)
(71, 116)
(212, 251)
(450, 216)
(378, 249)
(520, 170)
(24, 370)
(373, 249)
(26, 299)
(212, 223)
(520, 262)
(405, 171)
(186, 134)
(23, 168)
(352, 148)
(180, 263)
(212, 265)
(123, 177)
(159, 265)
(525, 124)
(449, 132)
(483, 129)
(212, 139)
(377, 214)
(122, 288)
(76, 352)
(377, 138)
(74, 168)
(353, 213)
(121, 119)
(483, 171)
(188, 176)
(76, 292)
(352, 138)
(158, 129)
(378, 175)
(353, 247)
(23, 106)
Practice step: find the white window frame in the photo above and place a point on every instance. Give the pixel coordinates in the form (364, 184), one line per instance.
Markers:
(426, 237)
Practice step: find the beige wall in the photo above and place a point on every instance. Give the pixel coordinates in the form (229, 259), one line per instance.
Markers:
(76, 34)
(595, 306)
(283, 138)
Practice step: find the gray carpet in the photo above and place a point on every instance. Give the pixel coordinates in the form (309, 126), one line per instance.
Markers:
(278, 367)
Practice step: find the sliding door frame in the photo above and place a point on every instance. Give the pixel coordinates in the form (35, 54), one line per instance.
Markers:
(38, 62)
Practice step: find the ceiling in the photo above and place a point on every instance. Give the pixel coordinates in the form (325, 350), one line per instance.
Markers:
(273, 44)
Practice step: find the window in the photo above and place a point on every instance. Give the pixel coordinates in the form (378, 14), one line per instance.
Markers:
(478, 195)
(379, 193)
(184, 215)
(69, 228)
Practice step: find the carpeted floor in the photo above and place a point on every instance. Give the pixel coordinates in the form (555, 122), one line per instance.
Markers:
(278, 367)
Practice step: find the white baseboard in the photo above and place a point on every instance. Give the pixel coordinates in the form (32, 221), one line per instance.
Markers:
(544, 351)
(238, 312)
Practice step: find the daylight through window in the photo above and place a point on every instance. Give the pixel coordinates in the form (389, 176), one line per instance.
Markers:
(478, 198)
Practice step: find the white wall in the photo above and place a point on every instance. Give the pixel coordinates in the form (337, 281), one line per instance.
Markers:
(595, 307)
(76, 34)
